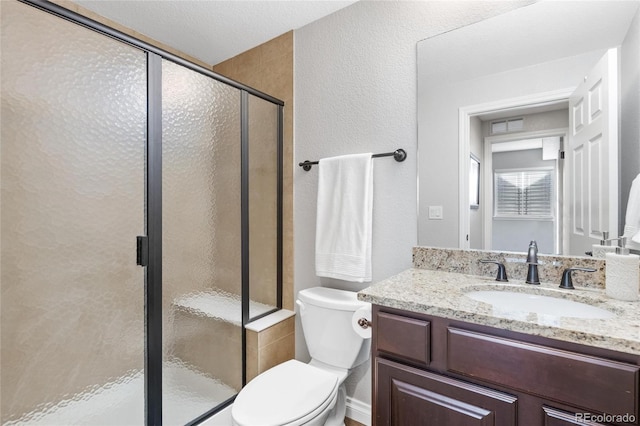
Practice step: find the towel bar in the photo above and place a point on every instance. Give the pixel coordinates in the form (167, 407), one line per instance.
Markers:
(398, 155)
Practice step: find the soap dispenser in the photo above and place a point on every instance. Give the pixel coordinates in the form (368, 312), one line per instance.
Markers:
(600, 250)
(622, 273)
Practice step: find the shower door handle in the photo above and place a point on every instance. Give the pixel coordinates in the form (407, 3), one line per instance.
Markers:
(142, 250)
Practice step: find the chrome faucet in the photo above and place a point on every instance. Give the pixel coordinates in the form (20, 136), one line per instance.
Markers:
(532, 264)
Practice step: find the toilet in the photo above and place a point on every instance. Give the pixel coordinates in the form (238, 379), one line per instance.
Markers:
(294, 393)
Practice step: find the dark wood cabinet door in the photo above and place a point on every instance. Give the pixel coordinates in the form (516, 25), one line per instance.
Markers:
(402, 338)
(407, 396)
(572, 378)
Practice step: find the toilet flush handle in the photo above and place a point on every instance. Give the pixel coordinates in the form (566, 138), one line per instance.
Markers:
(300, 304)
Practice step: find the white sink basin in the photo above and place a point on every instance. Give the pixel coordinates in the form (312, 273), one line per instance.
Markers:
(545, 305)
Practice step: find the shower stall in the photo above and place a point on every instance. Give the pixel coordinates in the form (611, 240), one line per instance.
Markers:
(141, 225)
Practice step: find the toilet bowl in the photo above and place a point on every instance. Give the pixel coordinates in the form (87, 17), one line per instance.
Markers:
(294, 393)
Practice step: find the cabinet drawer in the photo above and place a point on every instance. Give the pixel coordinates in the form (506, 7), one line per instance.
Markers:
(404, 338)
(597, 384)
(555, 417)
(407, 396)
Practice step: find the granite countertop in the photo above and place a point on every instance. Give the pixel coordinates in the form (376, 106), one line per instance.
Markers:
(442, 294)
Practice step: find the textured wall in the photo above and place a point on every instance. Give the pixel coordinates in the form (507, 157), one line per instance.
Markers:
(355, 91)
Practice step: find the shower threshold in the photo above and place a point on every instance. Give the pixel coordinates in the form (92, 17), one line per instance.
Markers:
(187, 394)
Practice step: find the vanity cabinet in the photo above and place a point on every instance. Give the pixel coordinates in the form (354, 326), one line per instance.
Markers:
(418, 397)
(432, 371)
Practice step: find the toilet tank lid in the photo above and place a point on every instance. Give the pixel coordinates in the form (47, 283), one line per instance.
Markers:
(284, 394)
(331, 298)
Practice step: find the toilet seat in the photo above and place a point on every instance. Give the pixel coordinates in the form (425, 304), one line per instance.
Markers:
(289, 394)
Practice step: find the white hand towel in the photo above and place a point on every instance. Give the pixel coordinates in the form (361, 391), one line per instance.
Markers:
(344, 217)
(632, 218)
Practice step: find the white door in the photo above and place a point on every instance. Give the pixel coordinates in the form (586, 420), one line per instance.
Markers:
(592, 157)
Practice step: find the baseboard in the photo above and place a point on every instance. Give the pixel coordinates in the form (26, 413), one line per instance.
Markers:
(359, 411)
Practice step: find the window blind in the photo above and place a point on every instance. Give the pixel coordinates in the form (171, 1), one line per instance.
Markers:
(524, 193)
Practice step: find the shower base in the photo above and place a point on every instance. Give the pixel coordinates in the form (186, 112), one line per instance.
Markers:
(187, 394)
(202, 323)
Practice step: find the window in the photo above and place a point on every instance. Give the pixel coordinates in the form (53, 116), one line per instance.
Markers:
(524, 193)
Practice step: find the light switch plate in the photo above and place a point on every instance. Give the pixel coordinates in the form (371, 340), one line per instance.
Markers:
(435, 212)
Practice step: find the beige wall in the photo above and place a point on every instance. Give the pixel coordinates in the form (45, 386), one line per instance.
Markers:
(269, 68)
(270, 347)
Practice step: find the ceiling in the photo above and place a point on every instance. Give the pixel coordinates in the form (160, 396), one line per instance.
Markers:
(214, 30)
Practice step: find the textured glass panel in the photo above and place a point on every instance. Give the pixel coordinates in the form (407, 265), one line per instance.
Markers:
(73, 170)
(263, 205)
(201, 269)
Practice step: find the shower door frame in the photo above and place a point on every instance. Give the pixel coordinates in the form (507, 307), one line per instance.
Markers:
(153, 219)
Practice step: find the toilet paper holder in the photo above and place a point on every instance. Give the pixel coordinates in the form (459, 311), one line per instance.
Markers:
(364, 323)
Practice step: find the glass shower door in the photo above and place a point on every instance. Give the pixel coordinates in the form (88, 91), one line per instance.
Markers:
(73, 201)
(264, 176)
(201, 243)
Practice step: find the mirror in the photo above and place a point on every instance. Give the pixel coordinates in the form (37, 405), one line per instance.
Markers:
(503, 91)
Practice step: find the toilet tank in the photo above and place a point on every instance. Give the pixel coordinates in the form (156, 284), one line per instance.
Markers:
(326, 315)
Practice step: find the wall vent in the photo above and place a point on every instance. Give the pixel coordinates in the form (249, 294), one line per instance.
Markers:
(506, 126)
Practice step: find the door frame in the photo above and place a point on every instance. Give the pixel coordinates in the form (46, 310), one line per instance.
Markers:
(464, 116)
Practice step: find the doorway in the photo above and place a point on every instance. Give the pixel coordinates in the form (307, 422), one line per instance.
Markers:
(523, 187)
(517, 144)
(590, 201)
